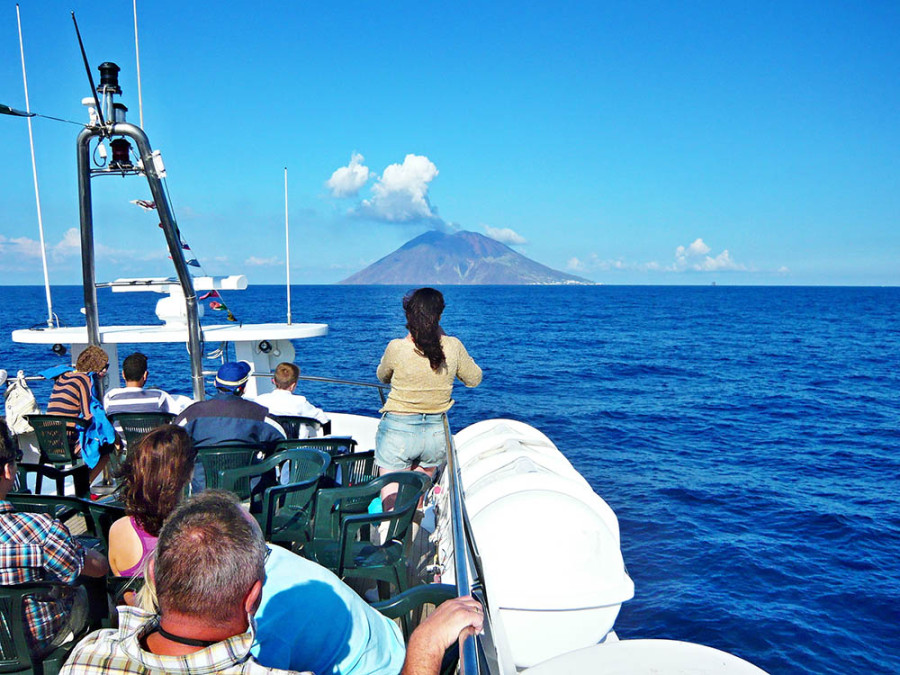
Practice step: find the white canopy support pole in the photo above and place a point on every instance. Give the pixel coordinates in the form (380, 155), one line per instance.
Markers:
(137, 57)
(37, 193)
(287, 247)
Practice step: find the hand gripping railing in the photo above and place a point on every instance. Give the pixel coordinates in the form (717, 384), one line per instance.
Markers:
(477, 654)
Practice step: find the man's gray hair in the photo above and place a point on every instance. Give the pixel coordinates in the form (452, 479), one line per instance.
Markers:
(210, 553)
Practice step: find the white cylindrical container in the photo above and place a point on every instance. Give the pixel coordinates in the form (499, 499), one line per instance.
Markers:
(549, 545)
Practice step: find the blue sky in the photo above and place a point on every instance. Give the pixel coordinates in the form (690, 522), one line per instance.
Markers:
(630, 143)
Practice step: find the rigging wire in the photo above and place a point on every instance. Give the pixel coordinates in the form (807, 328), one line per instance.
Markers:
(37, 192)
(287, 247)
(137, 58)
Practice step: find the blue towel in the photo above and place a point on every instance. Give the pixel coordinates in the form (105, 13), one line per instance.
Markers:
(99, 432)
(54, 372)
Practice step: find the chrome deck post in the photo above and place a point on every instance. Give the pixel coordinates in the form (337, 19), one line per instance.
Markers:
(87, 233)
(173, 240)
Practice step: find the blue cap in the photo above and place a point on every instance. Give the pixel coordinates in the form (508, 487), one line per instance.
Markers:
(233, 375)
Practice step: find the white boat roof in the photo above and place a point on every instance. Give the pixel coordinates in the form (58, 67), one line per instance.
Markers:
(162, 333)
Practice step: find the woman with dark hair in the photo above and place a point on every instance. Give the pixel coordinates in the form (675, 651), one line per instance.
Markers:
(155, 475)
(421, 369)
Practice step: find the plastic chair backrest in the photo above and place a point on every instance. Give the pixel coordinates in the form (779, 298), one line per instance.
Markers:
(136, 425)
(332, 504)
(355, 468)
(333, 445)
(217, 458)
(292, 424)
(411, 487)
(286, 508)
(56, 435)
(15, 654)
(80, 475)
(98, 517)
(413, 599)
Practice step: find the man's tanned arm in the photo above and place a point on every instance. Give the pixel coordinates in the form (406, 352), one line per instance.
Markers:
(453, 619)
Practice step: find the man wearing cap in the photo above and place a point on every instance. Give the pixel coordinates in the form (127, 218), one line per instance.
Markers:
(228, 418)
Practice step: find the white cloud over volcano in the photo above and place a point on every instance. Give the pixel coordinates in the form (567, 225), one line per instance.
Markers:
(349, 180)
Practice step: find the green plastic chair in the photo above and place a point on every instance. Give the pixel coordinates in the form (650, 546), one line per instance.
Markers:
(136, 425)
(355, 468)
(412, 600)
(98, 516)
(340, 516)
(15, 654)
(333, 445)
(232, 456)
(285, 510)
(117, 590)
(79, 475)
(56, 437)
(292, 424)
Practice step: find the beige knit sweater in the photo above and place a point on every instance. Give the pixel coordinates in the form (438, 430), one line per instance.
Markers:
(415, 387)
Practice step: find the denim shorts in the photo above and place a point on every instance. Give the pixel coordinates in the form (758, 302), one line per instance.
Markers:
(404, 439)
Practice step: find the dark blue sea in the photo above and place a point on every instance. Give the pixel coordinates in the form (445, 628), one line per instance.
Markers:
(747, 438)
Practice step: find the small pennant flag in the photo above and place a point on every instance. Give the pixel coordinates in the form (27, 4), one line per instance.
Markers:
(144, 204)
(230, 317)
(211, 294)
(193, 262)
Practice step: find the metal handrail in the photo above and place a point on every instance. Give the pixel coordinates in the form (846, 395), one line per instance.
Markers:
(464, 551)
(327, 380)
(309, 378)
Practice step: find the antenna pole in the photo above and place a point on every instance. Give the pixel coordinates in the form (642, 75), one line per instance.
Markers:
(137, 57)
(87, 68)
(287, 247)
(37, 192)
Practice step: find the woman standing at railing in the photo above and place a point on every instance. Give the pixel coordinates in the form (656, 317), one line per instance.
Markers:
(421, 369)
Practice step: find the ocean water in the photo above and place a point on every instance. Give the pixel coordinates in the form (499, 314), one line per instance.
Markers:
(747, 438)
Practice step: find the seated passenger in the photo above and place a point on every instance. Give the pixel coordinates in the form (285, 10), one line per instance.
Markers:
(154, 478)
(208, 569)
(228, 418)
(134, 397)
(284, 401)
(36, 547)
(74, 394)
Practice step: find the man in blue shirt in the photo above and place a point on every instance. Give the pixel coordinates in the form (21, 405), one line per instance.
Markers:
(228, 418)
(337, 633)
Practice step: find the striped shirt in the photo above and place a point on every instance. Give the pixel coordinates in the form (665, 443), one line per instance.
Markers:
(138, 400)
(118, 651)
(71, 395)
(36, 547)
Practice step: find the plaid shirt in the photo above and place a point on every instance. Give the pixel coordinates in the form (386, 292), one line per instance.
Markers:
(36, 547)
(114, 651)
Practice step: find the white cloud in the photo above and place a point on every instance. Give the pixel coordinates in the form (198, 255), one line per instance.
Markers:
(593, 263)
(69, 245)
(692, 258)
(783, 270)
(401, 194)
(505, 235)
(695, 249)
(254, 261)
(347, 181)
(24, 247)
(695, 258)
